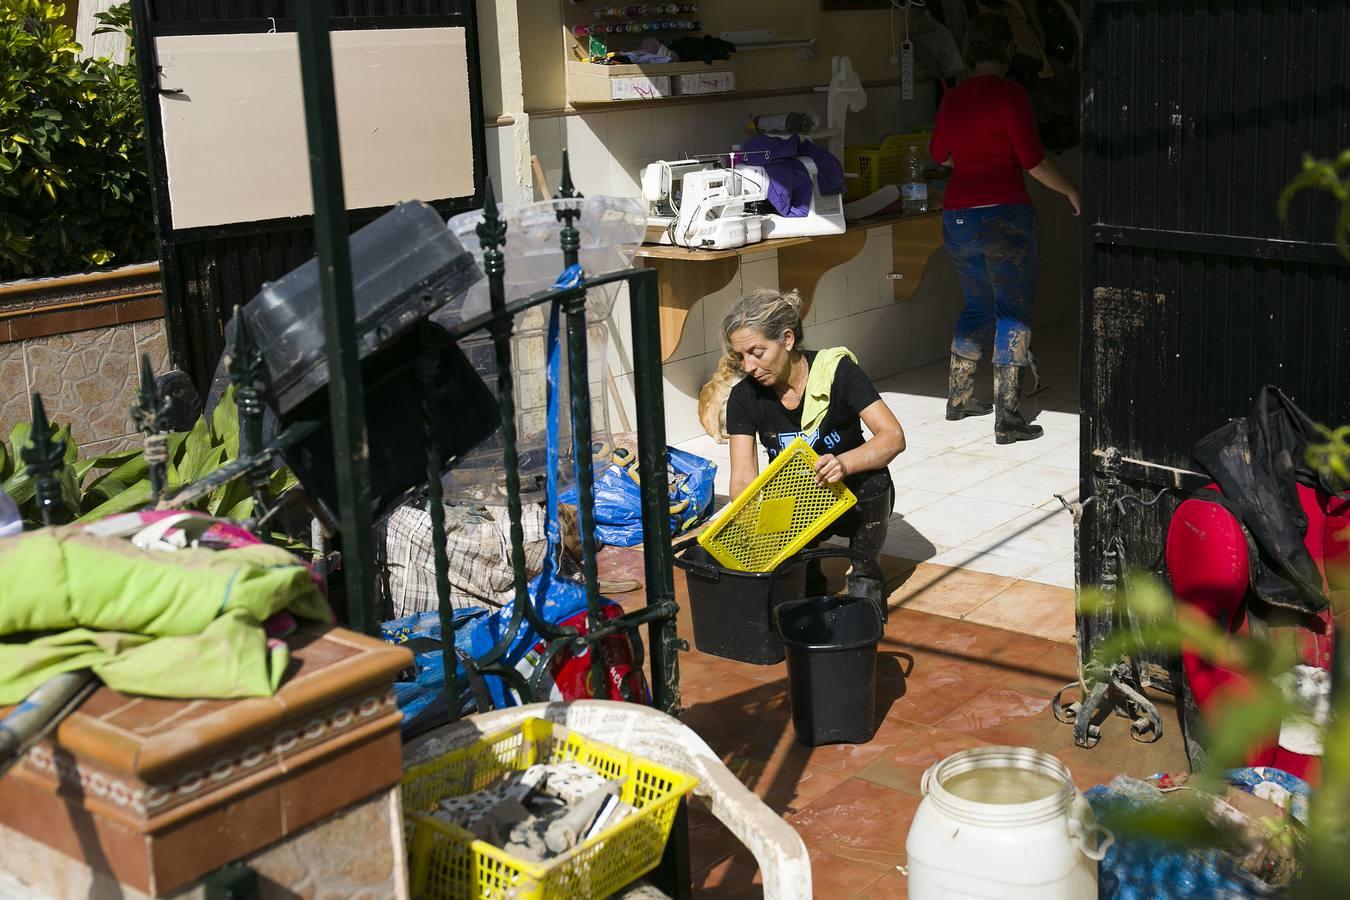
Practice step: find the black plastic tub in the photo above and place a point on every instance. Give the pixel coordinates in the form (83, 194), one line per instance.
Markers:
(405, 265)
(733, 611)
(831, 645)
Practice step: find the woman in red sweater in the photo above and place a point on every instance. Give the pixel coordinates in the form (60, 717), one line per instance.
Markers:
(986, 131)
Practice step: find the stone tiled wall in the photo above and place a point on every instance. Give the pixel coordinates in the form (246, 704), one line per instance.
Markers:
(87, 379)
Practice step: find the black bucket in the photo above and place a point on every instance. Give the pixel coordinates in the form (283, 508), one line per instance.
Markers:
(832, 667)
(732, 611)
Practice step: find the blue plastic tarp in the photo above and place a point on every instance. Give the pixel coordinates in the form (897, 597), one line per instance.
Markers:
(618, 499)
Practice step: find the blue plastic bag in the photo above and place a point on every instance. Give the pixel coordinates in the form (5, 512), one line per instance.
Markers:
(618, 499)
(556, 598)
(1142, 869)
(422, 700)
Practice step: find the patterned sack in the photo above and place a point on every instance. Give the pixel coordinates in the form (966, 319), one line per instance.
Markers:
(478, 544)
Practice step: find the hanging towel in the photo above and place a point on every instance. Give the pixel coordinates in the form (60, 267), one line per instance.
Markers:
(819, 381)
(187, 624)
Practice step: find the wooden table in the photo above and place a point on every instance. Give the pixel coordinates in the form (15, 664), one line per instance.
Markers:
(687, 276)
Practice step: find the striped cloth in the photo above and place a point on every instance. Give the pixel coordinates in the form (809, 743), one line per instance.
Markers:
(478, 544)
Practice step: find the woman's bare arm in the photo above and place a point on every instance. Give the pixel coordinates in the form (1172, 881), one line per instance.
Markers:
(1048, 173)
(744, 463)
(886, 443)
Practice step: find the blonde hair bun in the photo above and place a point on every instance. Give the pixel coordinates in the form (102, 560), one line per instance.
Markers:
(770, 312)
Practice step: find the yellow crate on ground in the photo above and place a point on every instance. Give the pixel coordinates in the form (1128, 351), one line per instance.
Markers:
(448, 862)
(881, 164)
(777, 515)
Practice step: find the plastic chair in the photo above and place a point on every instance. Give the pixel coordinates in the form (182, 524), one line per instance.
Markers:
(783, 862)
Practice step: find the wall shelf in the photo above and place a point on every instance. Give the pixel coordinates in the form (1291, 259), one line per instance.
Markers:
(593, 83)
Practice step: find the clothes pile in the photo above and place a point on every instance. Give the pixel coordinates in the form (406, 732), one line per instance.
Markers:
(160, 604)
(790, 185)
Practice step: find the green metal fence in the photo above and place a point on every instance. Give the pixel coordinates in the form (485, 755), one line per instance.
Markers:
(46, 463)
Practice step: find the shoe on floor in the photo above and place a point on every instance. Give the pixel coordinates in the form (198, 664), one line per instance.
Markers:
(1009, 426)
(961, 400)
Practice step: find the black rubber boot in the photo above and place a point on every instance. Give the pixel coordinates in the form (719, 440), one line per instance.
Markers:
(1009, 426)
(961, 400)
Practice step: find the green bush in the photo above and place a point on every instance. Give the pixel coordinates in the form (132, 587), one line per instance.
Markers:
(1333, 177)
(74, 187)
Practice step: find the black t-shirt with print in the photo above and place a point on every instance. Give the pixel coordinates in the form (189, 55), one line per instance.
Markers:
(755, 410)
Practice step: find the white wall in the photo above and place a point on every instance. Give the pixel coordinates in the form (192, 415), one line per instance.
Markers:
(608, 149)
(501, 145)
(110, 45)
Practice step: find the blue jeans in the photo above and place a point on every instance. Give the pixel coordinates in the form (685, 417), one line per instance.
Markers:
(994, 249)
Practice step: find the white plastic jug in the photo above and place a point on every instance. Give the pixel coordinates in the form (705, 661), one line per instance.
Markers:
(1003, 822)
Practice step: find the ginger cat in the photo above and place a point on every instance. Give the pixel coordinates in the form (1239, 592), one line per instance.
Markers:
(712, 400)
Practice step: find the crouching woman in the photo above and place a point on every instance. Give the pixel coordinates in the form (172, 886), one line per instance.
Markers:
(822, 397)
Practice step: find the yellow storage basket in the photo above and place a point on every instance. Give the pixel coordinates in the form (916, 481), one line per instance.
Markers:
(446, 861)
(881, 164)
(777, 515)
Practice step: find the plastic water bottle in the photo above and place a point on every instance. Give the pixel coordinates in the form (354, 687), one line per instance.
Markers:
(914, 189)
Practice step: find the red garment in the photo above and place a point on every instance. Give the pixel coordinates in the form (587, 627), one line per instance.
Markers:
(1207, 561)
(986, 127)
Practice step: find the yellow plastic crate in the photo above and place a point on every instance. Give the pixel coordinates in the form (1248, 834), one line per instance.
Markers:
(777, 515)
(881, 164)
(448, 862)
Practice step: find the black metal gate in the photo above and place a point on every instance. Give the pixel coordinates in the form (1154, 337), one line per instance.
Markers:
(1195, 114)
(208, 271)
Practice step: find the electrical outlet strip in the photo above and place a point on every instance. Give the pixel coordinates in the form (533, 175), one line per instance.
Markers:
(907, 71)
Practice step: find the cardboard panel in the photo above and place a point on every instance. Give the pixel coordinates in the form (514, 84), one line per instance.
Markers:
(235, 141)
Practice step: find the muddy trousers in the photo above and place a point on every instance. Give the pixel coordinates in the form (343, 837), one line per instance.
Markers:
(865, 528)
(994, 250)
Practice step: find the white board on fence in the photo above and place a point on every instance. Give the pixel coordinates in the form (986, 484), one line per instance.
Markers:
(234, 139)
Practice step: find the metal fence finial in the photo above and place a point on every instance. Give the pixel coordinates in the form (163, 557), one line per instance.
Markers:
(492, 230)
(246, 375)
(45, 457)
(567, 190)
(568, 213)
(149, 414)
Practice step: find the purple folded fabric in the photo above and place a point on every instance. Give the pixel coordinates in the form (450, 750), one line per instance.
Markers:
(790, 186)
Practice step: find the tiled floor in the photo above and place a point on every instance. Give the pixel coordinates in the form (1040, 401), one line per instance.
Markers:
(943, 686)
(963, 501)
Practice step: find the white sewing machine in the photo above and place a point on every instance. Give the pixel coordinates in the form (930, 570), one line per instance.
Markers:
(695, 203)
(701, 204)
(704, 203)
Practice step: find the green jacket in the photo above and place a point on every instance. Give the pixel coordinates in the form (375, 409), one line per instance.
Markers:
(184, 624)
